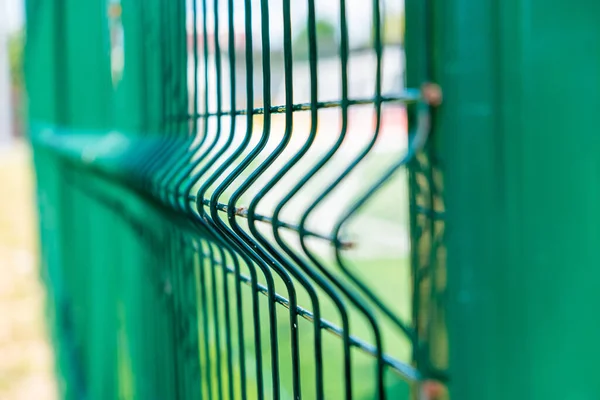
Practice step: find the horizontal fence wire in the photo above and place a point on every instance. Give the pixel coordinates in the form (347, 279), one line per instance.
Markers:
(236, 249)
(407, 98)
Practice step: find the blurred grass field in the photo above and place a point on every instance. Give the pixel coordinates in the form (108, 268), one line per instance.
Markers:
(26, 358)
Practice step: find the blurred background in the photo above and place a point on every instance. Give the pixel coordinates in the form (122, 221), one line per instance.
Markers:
(26, 359)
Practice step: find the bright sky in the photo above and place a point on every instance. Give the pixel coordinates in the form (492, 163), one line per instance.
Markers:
(358, 14)
(13, 14)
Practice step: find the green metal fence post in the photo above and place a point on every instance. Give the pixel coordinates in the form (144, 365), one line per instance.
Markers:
(66, 80)
(517, 138)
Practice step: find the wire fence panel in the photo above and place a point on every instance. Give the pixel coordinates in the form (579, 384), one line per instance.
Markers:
(239, 199)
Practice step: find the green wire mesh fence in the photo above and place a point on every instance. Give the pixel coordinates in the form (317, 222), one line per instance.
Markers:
(224, 186)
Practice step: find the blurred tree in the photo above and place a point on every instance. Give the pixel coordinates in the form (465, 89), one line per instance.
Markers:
(15, 59)
(17, 81)
(326, 40)
(393, 29)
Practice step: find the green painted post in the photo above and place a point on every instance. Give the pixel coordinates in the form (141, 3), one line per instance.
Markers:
(67, 80)
(517, 137)
(88, 90)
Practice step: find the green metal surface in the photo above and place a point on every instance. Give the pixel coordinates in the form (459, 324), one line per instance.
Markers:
(177, 215)
(517, 137)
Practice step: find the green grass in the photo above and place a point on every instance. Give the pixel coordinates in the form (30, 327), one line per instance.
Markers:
(388, 278)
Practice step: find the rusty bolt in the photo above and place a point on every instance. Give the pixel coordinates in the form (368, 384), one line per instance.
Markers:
(432, 94)
(241, 211)
(432, 390)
